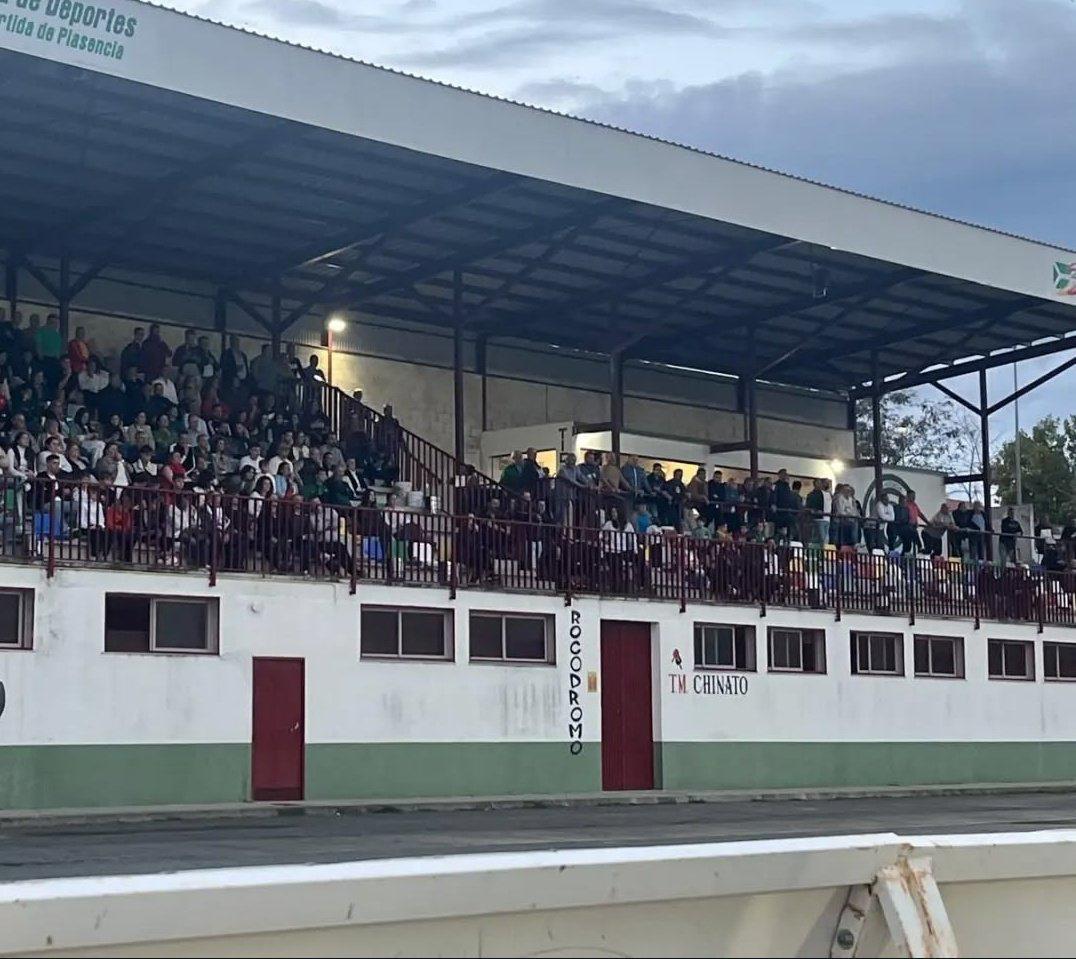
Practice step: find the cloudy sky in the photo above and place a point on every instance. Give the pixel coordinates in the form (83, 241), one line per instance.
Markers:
(963, 107)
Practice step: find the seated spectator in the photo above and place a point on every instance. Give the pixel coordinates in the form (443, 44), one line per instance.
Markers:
(139, 433)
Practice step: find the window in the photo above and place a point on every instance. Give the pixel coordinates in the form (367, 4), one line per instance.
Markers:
(1010, 659)
(724, 647)
(941, 656)
(880, 654)
(160, 624)
(512, 638)
(405, 633)
(798, 650)
(1059, 660)
(16, 618)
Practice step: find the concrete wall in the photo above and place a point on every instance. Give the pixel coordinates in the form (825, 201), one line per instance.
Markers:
(997, 895)
(410, 367)
(85, 727)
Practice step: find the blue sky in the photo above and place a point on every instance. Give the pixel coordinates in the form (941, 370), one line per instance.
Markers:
(963, 107)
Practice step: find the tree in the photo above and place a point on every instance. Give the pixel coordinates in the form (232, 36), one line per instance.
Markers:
(929, 434)
(1048, 468)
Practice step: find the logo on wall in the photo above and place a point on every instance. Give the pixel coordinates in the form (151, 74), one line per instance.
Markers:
(1065, 278)
(676, 659)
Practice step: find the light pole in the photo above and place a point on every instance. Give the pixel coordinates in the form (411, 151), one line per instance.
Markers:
(335, 324)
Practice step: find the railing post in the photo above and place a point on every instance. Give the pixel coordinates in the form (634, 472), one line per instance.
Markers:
(912, 569)
(838, 567)
(353, 588)
(54, 491)
(681, 543)
(213, 544)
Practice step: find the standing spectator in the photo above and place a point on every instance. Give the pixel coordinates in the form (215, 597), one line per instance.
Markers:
(512, 474)
(816, 504)
(186, 359)
(613, 486)
(673, 502)
(698, 494)
(48, 342)
(311, 373)
(717, 498)
(131, 356)
(530, 475)
(78, 351)
(154, 354)
(941, 524)
(234, 369)
(635, 477)
(883, 520)
(208, 362)
(977, 534)
(846, 515)
(916, 519)
(570, 481)
(1010, 529)
(92, 380)
(959, 538)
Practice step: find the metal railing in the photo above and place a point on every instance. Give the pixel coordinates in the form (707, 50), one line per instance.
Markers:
(59, 523)
(427, 468)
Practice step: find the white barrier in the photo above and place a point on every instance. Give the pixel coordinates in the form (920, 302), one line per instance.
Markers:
(997, 894)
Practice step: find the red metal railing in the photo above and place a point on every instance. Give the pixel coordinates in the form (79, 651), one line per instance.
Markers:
(61, 523)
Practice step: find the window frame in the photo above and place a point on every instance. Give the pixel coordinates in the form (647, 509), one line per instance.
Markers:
(855, 637)
(549, 623)
(1029, 660)
(212, 604)
(957, 643)
(25, 616)
(750, 648)
(816, 636)
(1054, 644)
(448, 618)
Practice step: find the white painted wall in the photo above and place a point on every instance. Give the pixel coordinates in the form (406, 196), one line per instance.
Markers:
(68, 690)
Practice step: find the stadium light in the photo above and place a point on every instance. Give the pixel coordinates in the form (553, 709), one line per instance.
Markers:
(337, 324)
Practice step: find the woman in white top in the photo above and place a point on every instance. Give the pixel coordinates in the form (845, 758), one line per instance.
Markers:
(263, 490)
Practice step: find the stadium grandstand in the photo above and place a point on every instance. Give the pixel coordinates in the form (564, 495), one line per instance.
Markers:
(303, 318)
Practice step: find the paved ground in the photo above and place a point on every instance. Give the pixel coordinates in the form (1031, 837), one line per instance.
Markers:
(98, 848)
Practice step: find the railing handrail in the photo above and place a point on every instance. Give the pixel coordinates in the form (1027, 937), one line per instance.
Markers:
(43, 522)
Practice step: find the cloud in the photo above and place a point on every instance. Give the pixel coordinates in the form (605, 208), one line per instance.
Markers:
(976, 129)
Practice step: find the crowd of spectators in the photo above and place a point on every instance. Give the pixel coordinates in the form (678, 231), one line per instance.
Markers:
(630, 499)
(178, 421)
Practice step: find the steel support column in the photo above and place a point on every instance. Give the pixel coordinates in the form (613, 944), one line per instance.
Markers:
(876, 427)
(984, 422)
(65, 299)
(481, 348)
(276, 325)
(751, 403)
(11, 282)
(220, 319)
(457, 362)
(616, 402)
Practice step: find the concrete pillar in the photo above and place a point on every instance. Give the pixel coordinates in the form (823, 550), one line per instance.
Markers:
(876, 426)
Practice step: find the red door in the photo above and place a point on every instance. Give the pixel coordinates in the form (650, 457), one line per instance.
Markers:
(279, 733)
(627, 721)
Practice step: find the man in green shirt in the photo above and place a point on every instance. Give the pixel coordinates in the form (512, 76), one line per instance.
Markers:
(50, 345)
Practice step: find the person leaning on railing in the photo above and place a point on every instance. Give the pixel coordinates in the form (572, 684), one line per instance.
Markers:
(942, 524)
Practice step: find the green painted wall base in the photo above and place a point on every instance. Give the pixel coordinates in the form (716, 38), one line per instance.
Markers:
(396, 770)
(55, 777)
(44, 777)
(772, 765)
